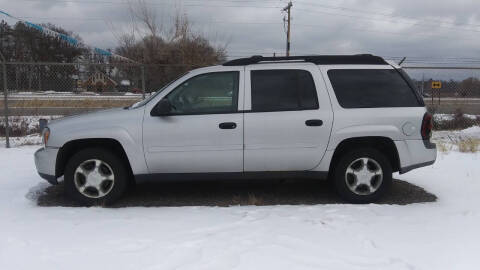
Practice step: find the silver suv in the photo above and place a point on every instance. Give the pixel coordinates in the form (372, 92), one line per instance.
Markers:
(352, 119)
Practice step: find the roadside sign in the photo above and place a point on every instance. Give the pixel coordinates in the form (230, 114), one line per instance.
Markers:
(436, 85)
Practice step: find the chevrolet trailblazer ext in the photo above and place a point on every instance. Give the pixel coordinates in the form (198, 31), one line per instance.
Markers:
(354, 119)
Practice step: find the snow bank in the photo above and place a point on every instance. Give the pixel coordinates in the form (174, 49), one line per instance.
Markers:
(473, 131)
(440, 235)
(453, 137)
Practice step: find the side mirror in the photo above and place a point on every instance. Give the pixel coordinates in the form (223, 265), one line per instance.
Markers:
(163, 108)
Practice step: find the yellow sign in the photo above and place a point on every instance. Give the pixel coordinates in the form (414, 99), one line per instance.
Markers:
(436, 85)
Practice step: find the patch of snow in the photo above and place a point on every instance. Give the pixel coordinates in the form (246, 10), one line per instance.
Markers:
(33, 139)
(473, 131)
(440, 235)
(439, 117)
(442, 117)
(471, 116)
(28, 124)
(125, 82)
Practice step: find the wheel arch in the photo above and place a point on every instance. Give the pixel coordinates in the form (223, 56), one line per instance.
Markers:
(71, 147)
(382, 144)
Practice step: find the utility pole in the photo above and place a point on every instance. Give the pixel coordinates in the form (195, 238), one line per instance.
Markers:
(287, 9)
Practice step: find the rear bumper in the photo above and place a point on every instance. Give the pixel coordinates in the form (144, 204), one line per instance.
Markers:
(45, 159)
(415, 166)
(415, 154)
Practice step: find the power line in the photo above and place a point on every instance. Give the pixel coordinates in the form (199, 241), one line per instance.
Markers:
(202, 3)
(385, 20)
(258, 23)
(188, 3)
(455, 26)
(253, 23)
(148, 3)
(386, 14)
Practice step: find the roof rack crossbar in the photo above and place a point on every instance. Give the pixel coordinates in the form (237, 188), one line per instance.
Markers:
(359, 59)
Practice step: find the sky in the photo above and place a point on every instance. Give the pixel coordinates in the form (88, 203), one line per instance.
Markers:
(422, 30)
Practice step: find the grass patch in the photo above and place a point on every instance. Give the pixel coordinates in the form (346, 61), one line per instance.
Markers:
(469, 146)
(443, 147)
(249, 199)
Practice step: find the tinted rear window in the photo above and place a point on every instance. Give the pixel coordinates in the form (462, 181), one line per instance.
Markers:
(283, 90)
(372, 88)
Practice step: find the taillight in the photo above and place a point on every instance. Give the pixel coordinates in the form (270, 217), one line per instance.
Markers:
(427, 126)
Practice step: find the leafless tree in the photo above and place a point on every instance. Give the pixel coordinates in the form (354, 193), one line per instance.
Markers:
(167, 49)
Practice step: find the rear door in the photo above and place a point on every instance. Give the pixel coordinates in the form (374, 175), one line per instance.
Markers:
(288, 117)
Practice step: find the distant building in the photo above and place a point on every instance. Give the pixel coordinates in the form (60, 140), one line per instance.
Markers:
(99, 82)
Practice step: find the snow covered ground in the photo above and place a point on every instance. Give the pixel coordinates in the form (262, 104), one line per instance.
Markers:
(440, 235)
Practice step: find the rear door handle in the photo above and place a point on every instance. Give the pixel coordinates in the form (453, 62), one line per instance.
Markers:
(314, 122)
(227, 125)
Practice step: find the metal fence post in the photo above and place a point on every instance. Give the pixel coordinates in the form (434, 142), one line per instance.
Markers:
(143, 81)
(5, 100)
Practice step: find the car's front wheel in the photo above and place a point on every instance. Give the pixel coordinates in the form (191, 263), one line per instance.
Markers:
(95, 176)
(362, 175)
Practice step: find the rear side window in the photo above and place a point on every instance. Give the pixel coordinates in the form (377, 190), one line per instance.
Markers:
(283, 90)
(372, 88)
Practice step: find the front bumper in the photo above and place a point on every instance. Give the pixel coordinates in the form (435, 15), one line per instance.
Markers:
(45, 159)
(414, 154)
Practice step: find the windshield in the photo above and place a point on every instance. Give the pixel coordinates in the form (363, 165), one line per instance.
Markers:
(154, 94)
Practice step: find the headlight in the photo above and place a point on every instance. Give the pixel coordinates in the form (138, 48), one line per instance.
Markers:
(45, 135)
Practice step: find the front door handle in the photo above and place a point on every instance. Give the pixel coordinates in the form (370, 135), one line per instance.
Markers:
(314, 122)
(227, 125)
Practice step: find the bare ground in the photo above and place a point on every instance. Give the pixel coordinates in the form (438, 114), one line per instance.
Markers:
(223, 194)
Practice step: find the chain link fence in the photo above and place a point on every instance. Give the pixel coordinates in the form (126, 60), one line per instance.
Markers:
(452, 94)
(65, 89)
(49, 90)
(35, 87)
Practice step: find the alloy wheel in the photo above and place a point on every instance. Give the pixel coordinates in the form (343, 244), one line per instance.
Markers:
(364, 176)
(94, 178)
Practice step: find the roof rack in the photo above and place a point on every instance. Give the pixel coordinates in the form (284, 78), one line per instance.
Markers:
(358, 59)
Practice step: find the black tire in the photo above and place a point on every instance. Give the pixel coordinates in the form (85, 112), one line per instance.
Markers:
(340, 177)
(117, 165)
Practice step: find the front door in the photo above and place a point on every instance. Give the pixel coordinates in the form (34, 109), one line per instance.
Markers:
(204, 132)
(287, 117)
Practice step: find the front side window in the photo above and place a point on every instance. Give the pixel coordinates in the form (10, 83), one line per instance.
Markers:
(372, 88)
(283, 90)
(206, 93)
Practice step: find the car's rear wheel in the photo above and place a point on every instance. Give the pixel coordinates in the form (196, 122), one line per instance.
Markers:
(95, 176)
(362, 175)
